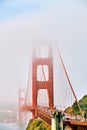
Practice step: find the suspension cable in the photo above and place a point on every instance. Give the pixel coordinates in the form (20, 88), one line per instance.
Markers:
(69, 80)
(26, 94)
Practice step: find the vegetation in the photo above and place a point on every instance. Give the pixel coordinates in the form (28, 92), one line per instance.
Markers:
(38, 124)
(74, 109)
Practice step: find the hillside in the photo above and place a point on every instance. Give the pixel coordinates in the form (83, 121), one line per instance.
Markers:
(74, 109)
(37, 124)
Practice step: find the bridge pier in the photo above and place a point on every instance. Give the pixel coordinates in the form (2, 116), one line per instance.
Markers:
(57, 121)
(53, 122)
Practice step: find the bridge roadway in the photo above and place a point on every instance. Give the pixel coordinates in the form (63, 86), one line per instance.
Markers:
(75, 124)
(46, 114)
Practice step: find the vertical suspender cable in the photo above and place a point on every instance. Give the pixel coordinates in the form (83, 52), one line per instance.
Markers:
(69, 81)
(27, 90)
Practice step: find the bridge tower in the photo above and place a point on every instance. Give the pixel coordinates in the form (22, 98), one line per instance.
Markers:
(37, 85)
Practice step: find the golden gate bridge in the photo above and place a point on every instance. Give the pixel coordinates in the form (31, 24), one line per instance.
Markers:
(49, 89)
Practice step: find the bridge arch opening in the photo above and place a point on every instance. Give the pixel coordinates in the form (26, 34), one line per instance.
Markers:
(42, 98)
(42, 73)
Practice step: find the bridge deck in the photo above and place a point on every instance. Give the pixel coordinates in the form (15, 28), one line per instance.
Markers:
(75, 122)
(47, 117)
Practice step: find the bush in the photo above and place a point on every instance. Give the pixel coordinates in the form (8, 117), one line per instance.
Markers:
(38, 124)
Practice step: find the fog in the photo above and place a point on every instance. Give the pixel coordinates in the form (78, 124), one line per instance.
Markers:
(58, 22)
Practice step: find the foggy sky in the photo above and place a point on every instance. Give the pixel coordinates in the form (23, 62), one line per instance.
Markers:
(25, 23)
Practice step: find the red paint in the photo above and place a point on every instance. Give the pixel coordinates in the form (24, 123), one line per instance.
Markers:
(36, 85)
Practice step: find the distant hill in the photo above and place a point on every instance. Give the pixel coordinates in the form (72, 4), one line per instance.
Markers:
(8, 106)
(74, 109)
(8, 113)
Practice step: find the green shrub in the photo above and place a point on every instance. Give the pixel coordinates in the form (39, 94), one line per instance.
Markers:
(37, 124)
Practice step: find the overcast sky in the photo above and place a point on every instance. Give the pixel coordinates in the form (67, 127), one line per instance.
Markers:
(27, 22)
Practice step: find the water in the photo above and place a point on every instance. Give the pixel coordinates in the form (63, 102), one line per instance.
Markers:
(8, 126)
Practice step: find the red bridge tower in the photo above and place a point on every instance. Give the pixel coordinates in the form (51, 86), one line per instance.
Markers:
(46, 84)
